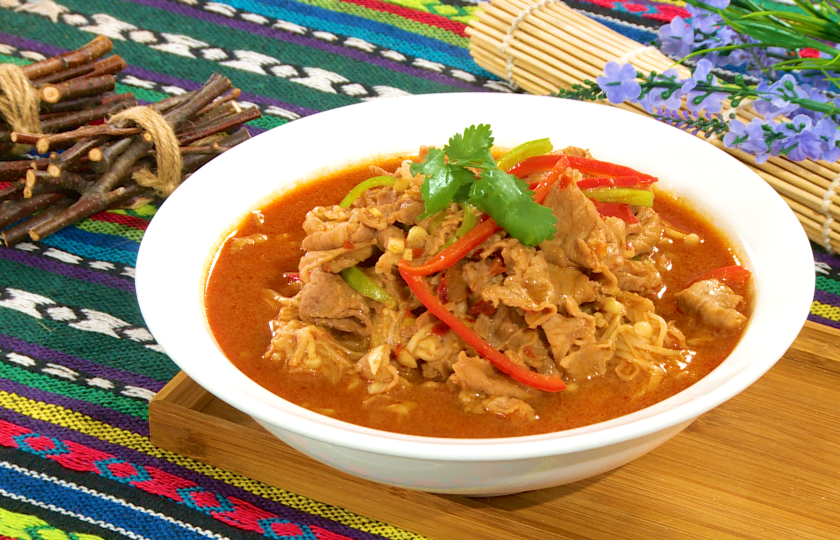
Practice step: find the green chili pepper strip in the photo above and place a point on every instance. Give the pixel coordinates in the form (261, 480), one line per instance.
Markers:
(635, 197)
(536, 147)
(470, 221)
(357, 191)
(359, 281)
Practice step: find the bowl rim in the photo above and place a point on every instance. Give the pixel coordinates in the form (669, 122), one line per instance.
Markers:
(158, 311)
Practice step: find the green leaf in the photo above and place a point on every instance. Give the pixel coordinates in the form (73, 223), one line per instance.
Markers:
(472, 147)
(450, 177)
(439, 186)
(507, 200)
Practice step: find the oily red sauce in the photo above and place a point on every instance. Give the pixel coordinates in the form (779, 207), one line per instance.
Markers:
(238, 314)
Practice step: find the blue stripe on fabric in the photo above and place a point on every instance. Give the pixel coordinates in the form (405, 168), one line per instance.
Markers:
(96, 508)
(381, 34)
(101, 247)
(632, 31)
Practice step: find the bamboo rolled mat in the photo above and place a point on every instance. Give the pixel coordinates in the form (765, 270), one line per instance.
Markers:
(77, 365)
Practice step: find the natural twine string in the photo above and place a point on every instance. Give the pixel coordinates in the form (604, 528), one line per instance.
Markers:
(167, 151)
(826, 210)
(513, 27)
(19, 102)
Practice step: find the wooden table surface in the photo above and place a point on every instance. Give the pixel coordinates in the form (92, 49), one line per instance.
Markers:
(764, 465)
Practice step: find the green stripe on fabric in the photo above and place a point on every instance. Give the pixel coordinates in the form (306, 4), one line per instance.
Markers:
(114, 229)
(144, 212)
(28, 527)
(5, 59)
(268, 122)
(283, 52)
(394, 20)
(118, 353)
(142, 94)
(194, 69)
(46, 383)
(454, 13)
(72, 292)
(828, 285)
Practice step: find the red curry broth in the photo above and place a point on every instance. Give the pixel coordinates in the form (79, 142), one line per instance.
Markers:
(238, 314)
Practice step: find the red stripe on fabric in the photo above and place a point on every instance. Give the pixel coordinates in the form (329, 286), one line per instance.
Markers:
(226, 509)
(666, 13)
(122, 219)
(425, 18)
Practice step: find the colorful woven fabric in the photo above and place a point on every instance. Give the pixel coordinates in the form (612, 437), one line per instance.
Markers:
(77, 365)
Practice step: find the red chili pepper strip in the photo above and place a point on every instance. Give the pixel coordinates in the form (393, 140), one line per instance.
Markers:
(734, 274)
(619, 210)
(417, 284)
(542, 188)
(593, 166)
(585, 165)
(455, 252)
(618, 181)
(534, 164)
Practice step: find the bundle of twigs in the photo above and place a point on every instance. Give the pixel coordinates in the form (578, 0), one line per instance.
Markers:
(544, 46)
(98, 150)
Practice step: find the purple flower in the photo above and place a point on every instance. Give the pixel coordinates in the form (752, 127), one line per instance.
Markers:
(699, 97)
(774, 100)
(704, 21)
(750, 138)
(829, 132)
(676, 37)
(619, 82)
(720, 4)
(664, 96)
(799, 141)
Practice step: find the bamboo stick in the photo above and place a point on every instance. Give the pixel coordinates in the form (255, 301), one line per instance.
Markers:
(545, 46)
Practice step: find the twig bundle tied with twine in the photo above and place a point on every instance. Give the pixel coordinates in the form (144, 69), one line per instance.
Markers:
(544, 46)
(99, 150)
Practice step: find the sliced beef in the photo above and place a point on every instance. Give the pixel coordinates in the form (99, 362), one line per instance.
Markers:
(588, 361)
(479, 374)
(527, 284)
(327, 300)
(563, 333)
(650, 231)
(639, 276)
(510, 407)
(349, 258)
(582, 239)
(571, 283)
(498, 329)
(713, 303)
(334, 235)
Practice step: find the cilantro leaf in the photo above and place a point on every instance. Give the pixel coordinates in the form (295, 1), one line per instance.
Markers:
(442, 181)
(507, 200)
(450, 175)
(472, 148)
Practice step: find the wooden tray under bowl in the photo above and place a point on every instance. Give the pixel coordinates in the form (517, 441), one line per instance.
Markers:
(765, 464)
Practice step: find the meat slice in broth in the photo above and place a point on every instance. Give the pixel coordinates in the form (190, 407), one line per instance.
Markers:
(714, 303)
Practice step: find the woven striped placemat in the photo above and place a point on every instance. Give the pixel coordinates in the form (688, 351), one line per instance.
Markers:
(77, 365)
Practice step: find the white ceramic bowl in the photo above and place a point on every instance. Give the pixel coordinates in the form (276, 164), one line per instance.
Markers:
(179, 245)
